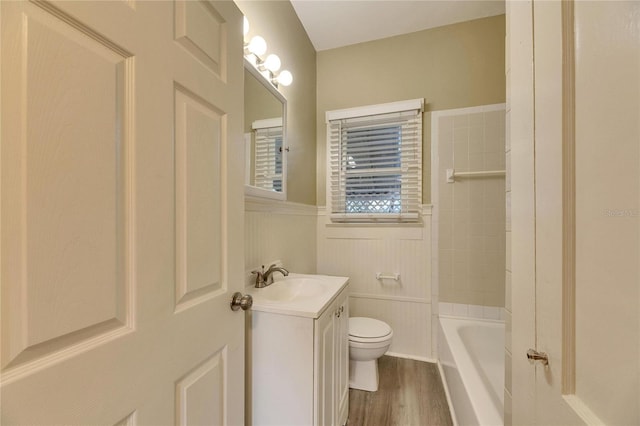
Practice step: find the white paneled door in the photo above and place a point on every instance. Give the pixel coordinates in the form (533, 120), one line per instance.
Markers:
(586, 232)
(122, 212)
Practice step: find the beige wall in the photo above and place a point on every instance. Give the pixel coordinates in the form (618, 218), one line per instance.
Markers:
(278, 23)
(454, 66)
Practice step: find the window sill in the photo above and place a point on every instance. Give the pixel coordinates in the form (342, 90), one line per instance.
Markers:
(376, 219)
(375, 230)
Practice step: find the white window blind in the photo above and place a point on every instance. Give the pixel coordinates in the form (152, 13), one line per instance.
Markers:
(268, 158)
(375, 164)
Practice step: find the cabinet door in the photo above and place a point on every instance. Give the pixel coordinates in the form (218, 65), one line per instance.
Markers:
(325, 368)
(342, 359)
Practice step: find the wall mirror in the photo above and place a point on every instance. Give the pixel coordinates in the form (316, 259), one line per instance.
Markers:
(265, 111)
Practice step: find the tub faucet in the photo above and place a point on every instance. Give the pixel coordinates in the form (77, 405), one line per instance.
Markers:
(265, 278)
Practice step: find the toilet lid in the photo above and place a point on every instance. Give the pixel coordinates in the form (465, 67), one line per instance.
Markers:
(368, 327)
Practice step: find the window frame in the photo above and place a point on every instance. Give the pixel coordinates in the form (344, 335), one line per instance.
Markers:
(378, 111)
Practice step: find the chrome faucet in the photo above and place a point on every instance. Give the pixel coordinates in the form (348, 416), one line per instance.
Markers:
(265, 278)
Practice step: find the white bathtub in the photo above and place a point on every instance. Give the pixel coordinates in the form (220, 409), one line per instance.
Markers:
(471, 353)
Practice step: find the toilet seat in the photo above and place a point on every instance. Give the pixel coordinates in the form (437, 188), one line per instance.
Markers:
(368, 330)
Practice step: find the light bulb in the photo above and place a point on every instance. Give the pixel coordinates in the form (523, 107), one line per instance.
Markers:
(257, 46)
(285, 78)
(245, 26)
(272, 63)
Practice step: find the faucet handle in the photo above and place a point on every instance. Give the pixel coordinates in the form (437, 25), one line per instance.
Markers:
(259, 277)
(255, 271)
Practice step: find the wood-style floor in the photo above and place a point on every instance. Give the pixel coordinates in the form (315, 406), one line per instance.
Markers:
(410, 393)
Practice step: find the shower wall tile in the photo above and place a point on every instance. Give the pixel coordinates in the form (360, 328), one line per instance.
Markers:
(445, 308)
(470, 311)
(446, 124)
(460, 120)
(494, 118)
(476, 119)
(476, 140)
(460, 310)
(491, 312)
(476, 159)
(472, 217)
(476, 311)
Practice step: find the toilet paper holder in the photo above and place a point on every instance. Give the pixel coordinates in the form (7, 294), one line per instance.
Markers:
(382, 276)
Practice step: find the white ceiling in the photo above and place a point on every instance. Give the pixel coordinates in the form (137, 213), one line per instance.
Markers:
(337, 23)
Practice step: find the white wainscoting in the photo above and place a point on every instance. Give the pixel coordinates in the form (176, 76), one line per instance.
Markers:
(298, 236)
(361, 251)
(280, 231)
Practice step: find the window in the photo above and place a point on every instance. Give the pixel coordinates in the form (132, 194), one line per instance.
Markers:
(268, 155)
(375, 162)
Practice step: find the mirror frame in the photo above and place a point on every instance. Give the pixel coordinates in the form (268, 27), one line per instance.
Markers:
(253, 190)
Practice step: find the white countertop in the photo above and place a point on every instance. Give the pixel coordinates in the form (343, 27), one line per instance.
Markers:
(310, 303)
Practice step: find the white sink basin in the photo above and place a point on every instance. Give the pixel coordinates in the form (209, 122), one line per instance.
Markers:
(294, 288)
(298, 294)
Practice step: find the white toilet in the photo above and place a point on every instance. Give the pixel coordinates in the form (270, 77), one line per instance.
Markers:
(369, 339)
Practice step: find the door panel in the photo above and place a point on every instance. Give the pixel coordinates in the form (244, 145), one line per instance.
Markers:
(121, 174)
(550, 407)
(64, 226)
(198, 187)
(607, 92)
(199, 395)
(587, 228)
(201, 30)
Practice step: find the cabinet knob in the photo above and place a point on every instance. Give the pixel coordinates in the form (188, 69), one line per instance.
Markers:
(239, 301)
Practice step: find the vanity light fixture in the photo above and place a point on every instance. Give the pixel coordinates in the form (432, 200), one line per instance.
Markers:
(272, 63)
(257, 46)
(285, 78)
(254, 49)
(245, 26)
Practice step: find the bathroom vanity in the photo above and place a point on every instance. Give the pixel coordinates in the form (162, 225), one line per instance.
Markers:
(298, 352)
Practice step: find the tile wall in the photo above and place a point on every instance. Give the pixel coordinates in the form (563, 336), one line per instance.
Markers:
(470, 211)
(462, 310)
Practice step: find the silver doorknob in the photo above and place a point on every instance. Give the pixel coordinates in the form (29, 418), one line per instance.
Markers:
(239, 301)
(534, 355)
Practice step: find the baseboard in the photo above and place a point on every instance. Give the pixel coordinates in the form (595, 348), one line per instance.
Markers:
(413, 357)
(447, 394)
